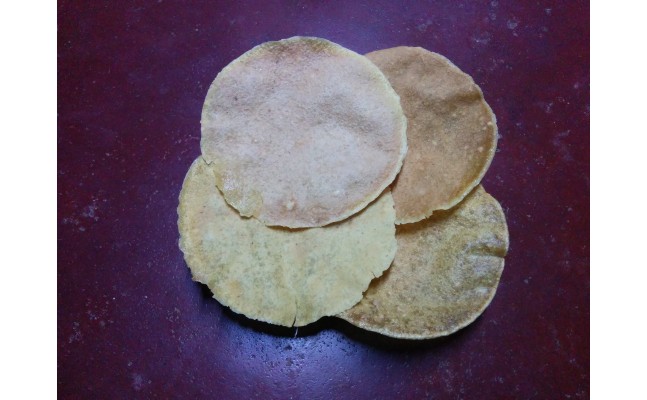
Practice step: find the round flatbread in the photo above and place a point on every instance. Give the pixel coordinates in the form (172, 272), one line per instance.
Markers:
(302, 132)
(277, 275)
(451, 131)
(445, 273)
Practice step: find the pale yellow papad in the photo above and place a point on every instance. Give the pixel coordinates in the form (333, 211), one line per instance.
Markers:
(281, 276)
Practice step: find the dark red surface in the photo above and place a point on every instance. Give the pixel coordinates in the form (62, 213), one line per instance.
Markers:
(132, 324)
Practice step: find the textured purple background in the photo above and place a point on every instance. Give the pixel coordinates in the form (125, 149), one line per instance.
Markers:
(132, 324)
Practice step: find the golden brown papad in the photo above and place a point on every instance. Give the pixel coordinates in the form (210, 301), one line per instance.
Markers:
(281, 276)
(451, 131)
(445, 273)
(302, 132)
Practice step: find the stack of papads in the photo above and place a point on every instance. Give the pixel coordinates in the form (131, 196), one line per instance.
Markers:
(303, 136)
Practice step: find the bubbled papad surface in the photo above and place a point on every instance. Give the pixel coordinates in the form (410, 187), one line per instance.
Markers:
(445, 273)
(281, 276)
(451, 131)
(302, 132)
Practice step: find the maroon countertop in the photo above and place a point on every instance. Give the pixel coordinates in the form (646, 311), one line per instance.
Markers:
(132, 324)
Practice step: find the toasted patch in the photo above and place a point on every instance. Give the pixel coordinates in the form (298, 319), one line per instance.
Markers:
(302, 132)
(452, 132)
(445, 273)
(277, 275)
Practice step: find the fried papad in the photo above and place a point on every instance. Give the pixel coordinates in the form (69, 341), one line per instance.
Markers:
(451, 132)
(445, 273)
(278, 275)
(302, 132)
